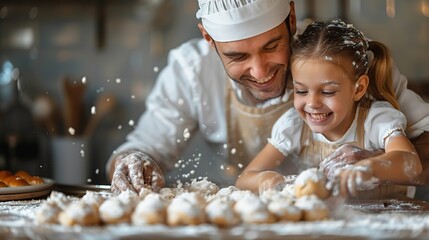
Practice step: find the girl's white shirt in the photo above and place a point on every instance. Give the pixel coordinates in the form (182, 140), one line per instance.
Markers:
(381, 121)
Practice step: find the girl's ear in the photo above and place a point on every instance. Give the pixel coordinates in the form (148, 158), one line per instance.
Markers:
(206, 36)
(361, 86)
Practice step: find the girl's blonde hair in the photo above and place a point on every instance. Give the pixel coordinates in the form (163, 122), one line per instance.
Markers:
(332, 39)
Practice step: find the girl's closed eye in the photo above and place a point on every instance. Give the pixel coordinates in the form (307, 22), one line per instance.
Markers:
(301, 91)
(329, 93)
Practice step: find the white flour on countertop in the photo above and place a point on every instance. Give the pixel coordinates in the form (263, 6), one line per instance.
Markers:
(24, 208)
(17, 217)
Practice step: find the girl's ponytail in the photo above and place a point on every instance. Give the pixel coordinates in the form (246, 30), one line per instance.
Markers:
(380, 74)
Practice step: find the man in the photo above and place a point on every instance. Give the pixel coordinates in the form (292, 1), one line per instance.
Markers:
(230, 86)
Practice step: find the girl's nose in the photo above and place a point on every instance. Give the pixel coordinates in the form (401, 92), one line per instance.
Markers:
(313, 100)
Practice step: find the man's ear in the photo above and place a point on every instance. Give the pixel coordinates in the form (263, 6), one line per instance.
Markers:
(292, 18)
(361, 87)
(206, 36)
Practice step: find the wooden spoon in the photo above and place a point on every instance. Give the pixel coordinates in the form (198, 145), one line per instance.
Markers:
(103, 105)
(74, 104)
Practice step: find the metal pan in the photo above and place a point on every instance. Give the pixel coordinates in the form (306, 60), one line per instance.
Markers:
(80, 190)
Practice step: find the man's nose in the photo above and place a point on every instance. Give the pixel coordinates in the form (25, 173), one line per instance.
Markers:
(258, 68)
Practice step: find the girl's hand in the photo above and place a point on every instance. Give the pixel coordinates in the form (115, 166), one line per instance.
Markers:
(271, 180)
(345, 155)
(354, 178)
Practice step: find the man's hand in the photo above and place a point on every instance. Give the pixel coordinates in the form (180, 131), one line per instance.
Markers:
(345, 155)
(136, 171)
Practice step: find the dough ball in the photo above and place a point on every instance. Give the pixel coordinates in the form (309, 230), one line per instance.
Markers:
(313, 207)
(47, 212)
(115, 211)
(311, 182)
(285, 210)
(59, 199)
(186, 209)
(151, 210)
(93, 198)
(252, 209)
(220, 211)
(79, 213)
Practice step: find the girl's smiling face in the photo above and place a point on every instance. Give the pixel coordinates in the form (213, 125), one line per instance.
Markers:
(325, 95)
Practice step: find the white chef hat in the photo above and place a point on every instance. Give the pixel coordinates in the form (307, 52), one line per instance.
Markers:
(232, 20)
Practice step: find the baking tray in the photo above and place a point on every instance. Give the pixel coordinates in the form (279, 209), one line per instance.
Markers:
(80, 190)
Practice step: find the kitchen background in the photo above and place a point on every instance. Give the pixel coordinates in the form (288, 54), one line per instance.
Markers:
(93, 62)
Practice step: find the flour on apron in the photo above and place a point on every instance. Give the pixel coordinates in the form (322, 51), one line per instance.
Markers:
(248, 129)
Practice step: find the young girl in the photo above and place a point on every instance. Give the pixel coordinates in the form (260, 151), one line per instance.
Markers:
(341, 96)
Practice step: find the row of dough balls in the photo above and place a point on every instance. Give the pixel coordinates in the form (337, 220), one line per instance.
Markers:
(197, 203)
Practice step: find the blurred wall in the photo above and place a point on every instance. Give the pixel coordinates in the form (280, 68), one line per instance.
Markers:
(116, 46)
